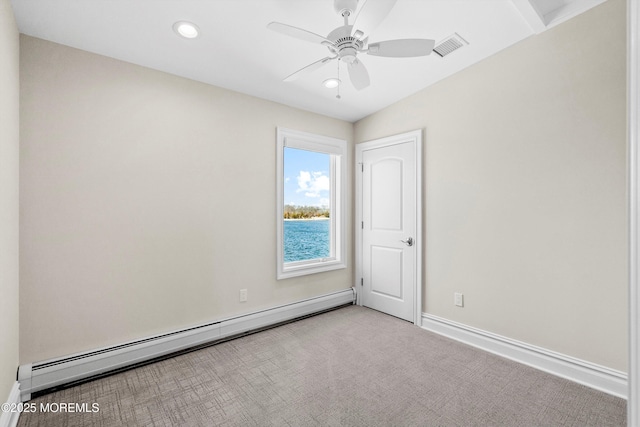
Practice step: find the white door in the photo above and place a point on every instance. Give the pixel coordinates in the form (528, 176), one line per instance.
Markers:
(390, 234)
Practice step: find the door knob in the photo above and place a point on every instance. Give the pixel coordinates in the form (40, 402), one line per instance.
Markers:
(408, 242)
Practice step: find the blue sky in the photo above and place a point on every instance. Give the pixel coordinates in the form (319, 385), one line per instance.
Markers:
(306, 178)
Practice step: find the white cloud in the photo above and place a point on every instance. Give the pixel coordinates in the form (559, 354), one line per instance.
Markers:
(312, 183)
(304, 178)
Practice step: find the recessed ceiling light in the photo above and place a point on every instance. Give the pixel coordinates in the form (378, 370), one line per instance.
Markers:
(186, 29)
(331, 82)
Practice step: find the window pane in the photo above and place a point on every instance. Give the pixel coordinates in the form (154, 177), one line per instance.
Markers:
(311, 203)
(306, 239)
(307, 205)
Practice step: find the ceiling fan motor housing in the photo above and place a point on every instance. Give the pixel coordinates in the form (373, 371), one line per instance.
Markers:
(344, 44)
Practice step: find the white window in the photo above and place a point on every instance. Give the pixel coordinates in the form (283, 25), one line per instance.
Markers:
(311, 203)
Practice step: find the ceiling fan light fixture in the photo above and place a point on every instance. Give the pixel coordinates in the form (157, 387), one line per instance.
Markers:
(186, 29)
(331, 83)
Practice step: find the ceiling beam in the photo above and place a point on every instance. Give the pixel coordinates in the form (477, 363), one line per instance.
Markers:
(568, 11)
(531, 15)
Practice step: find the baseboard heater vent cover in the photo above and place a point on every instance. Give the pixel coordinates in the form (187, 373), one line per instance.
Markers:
(39, 378)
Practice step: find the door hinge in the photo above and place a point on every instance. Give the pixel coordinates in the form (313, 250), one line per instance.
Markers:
(362, 224)
(362, 281)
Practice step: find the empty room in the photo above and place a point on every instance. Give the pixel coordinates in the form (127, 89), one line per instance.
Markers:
(321, 212)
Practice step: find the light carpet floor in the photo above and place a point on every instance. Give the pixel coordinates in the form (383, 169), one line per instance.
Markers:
(349, 367)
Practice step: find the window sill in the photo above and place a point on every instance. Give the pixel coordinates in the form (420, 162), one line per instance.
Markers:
(296, 269)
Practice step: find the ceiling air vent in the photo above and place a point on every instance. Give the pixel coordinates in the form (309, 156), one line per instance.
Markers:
(450, 44)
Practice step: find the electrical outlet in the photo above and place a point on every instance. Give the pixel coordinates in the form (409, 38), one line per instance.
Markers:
(243, 295)
(458, 299)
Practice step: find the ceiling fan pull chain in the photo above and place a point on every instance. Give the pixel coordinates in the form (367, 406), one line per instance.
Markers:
(338, 87)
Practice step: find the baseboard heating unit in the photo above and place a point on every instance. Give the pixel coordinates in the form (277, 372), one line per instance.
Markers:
(39, 378)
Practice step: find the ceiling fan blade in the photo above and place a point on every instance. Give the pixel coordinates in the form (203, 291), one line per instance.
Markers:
(308, 69)
(371, 14)
(358, 75)
(405, 48)
(296, 32)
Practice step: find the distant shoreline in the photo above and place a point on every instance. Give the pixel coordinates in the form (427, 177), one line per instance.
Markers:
(314, 218)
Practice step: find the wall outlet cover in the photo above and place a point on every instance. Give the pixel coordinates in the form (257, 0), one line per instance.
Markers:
(458, 299)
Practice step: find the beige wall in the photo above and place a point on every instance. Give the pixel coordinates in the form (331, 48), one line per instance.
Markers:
(9, 141)
(147, 202)
(525, 188)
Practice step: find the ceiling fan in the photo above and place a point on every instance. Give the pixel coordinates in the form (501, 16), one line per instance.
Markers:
(346, 42)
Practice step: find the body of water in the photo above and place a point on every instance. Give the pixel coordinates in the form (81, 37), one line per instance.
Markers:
(306, 239)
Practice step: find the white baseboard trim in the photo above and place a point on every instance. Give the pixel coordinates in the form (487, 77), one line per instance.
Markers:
(595, 376)
(10, 418)
(35, 377)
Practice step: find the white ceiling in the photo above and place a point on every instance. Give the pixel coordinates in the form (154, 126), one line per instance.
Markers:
(236, 50)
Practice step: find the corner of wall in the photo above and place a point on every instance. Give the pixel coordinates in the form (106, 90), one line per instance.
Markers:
(9, 159)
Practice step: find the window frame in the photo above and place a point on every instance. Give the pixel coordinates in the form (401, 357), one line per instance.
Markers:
(337, 148)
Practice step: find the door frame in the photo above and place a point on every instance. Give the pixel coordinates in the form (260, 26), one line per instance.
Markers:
(414, 136)
(633, 195)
